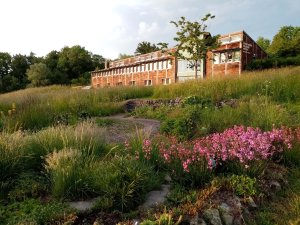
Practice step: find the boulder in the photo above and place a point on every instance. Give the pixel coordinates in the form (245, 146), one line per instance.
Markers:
(212, 217)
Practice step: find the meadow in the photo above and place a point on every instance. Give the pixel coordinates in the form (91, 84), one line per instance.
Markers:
(224, 135)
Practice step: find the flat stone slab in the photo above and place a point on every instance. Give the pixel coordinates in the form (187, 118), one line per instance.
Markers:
(82, 205)
(157, 197)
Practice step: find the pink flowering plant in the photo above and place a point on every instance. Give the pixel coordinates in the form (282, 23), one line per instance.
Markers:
(245, 146)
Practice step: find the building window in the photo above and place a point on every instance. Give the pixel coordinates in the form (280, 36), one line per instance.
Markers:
(236, 56)
(155, 65)
(166, 81)
(223, 57)
(119, 83)
(147, 82)
(227, 57)
(132, 83)
(98, 85)
(169, 64)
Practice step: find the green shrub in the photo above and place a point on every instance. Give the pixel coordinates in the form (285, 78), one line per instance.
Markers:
(32, 211)
(127, 181)
(241, 185)
(28, 185)
(273, 62)
(183, 126)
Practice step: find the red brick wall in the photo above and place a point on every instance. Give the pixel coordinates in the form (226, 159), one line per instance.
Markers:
(244, 44)
(156, 76)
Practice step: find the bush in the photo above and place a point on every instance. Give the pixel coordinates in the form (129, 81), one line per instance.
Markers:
(184, 126)
(274, 62)
(241, 185)
(33, 212)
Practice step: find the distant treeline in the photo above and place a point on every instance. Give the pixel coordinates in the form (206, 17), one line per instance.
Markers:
(284, 50)
(70, 65)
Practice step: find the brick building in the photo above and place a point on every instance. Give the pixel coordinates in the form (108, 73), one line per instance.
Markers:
(235, 52)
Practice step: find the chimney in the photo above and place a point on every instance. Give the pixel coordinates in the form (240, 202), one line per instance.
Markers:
(106, 64)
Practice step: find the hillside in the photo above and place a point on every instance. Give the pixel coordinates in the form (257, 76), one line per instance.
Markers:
(219, 140)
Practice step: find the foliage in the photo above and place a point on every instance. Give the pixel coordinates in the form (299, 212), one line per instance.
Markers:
(32, 211)
(264, 43)
(124, 56)
(184, 126)
(38, 74)
(273, 62)
(241, 185)
(286, 42)
(145, 47)
(57, 67)
(166, 218)
(28, 185)
(193, 40)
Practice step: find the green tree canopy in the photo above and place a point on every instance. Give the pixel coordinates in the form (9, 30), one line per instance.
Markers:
(5, 63)
(124, 56)
(145, 47)
(264, 43)
(286, 42)
(74, 61)
(193, 40)
(38, 74)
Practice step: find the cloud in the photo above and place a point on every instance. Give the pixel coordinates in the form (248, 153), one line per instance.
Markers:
(117, 26)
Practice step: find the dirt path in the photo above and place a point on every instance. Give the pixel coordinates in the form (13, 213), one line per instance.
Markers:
(125, 127)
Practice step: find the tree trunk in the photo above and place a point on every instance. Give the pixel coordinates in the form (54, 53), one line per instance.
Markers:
(196, 69)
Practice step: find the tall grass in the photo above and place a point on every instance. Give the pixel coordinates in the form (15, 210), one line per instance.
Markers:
(40, 107)
(280, 84)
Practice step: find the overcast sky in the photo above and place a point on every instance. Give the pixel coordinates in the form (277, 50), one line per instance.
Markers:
(116, 26)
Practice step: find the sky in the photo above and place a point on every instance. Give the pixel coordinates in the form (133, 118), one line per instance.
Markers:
(111, 27)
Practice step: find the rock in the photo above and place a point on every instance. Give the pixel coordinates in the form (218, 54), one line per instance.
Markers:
(83, 205)
(157, 197)
(237, 205)
(238, 220)
(201, 221)
(212, 217)
(135, 222)
(225, 213)
(251, 203)
(275, 186)
(168, 178)
(195, 220)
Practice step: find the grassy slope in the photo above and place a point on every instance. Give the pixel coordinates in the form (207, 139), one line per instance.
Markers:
(264, 98)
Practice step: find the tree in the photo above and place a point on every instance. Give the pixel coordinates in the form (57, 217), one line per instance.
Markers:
(74, 61)
(19, 65)
(58, 77)
(38, 74)
(193, 40)
(145, 47)
(124, 56)
(264, 43)
(98, 61)
(5, 64)
(286, 42)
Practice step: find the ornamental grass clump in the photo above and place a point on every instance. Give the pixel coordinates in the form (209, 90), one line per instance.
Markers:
(69, 173)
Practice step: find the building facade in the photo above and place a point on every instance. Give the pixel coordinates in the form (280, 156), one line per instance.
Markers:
(160, 68)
